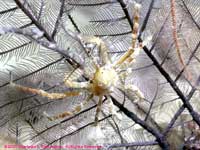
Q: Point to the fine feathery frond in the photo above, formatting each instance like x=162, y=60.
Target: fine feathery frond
x=40, y=45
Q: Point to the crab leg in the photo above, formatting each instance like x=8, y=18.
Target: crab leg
x=133, y=92
x=98, y=110
x=74, y=84
x=124, y=57
x=77, y=85
x=73, y=112
x=130, y=52
x=112, y=108
x=102, y=48
x=44, y=93
x=104, y=53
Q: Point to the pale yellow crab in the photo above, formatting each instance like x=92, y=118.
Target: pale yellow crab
x=107, y=76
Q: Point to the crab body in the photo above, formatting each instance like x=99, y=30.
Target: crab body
x=104, y=79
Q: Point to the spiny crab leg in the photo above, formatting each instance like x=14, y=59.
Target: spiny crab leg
x=73, y=112
x=44, y=93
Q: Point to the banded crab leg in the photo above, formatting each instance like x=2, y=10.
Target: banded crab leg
x=70, y=113
x=44, y=93
x=129, y=56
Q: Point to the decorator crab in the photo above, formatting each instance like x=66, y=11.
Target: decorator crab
x=107, y=75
